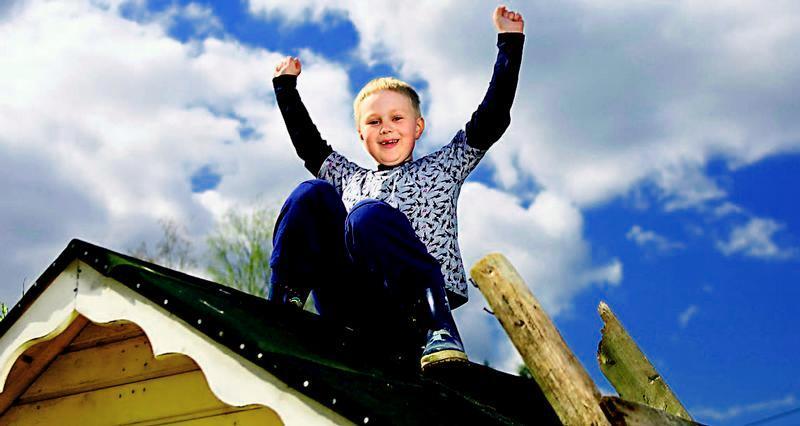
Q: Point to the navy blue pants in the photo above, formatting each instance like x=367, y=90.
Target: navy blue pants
x=366, y=268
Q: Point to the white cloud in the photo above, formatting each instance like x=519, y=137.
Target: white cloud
x=687, y=315
x=719, y=415
x=755, y=239
x=610, y=96
x=105, y=119
x=543, y=241
x=644, y=238
x=202, y=19
x=726, y=209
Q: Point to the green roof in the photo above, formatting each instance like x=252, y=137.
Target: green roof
x=318, y=357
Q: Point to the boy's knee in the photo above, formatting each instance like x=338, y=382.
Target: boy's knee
x=370, y=214
x=313, y=190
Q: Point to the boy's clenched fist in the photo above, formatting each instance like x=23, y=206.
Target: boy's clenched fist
x=289, y=65
x=507, y=21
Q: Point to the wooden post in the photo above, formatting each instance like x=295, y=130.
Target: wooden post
x=562, y=378
x=629, y=371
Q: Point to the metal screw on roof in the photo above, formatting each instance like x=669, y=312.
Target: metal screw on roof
x=199, y=321
x=85, y=253
x=305, y=384
x=166, y=301
x=260, y=355
x=96, y=260
x=221, y=333
x=241, y=346
x=334, y=401
x=138, y=285
x=366, y=420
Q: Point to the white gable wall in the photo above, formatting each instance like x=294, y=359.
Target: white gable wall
x=233, y=379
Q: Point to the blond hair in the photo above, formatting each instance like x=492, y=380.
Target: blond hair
x=386, y=83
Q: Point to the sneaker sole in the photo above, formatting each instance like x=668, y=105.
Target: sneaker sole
x=443, y=357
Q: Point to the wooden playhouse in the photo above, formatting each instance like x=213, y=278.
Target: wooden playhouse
x=106, y=339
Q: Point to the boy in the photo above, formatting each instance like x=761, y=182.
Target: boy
x=379, y=248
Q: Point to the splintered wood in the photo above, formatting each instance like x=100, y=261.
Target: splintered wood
x=628, y=413
x=566, y=384
x=629, y=371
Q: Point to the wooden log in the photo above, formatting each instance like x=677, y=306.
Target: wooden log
x=628, y=413
x=563, y=380
x=629, y=371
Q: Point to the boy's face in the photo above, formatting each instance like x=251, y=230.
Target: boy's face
x=389, y=127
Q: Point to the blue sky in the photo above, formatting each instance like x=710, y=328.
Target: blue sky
x=651, y=162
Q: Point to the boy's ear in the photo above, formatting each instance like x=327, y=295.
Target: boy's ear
x=360, y=136
x=420, y=127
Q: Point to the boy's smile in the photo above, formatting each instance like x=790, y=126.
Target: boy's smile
x=389, y=127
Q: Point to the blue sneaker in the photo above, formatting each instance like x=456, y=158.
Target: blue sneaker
x=283, y=294
x=442, y=347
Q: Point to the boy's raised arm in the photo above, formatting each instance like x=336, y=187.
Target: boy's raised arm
x=308, y=143
x=493, y=115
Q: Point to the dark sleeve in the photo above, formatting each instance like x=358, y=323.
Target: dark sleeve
x=493, y=115
x=308, y=143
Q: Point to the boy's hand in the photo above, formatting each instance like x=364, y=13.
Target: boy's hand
x=289, y=65
x=507, y=21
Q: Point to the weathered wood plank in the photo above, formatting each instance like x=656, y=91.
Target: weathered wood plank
x=629, y=371
x=164, y=398
x=33, y=361
x=102, y=334
x=108, y=365
x=562, y=378
x=628, y=413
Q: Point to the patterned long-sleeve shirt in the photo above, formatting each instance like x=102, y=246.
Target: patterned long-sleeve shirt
x=426, y=190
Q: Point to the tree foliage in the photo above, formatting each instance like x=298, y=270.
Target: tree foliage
x=524, y=371
x=173, y=251
x=240, y=249
x=3, y=310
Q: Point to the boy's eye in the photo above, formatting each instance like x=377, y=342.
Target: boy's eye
x=397, y=117
x=372, y=122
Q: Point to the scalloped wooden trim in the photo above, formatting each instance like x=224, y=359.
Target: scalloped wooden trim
x=233, y=379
